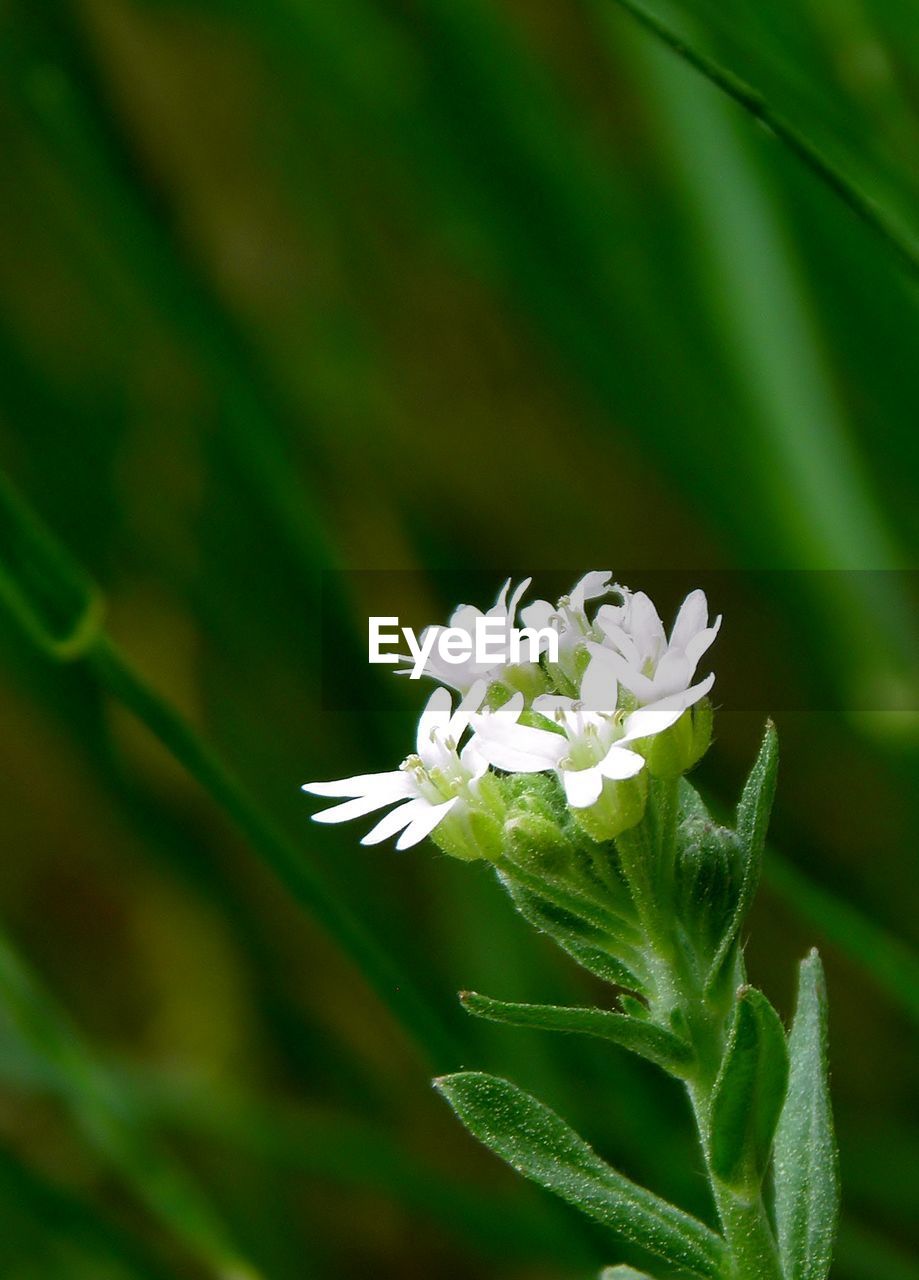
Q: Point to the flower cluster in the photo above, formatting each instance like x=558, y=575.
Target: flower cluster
x=620, y=702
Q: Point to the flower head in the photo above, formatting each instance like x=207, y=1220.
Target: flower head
x=569, y=617
x=462, y=676
x=584, y=749
x=636, y=653
x=436, y=780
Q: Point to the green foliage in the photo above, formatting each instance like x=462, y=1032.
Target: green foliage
x=748, y=1094
x=540, y=1145
x=603, y=946
x=682, y=872
x=624, y=1273
x=752, y=821
x=291, y=287
x=806, y=1182
x=644, y=1038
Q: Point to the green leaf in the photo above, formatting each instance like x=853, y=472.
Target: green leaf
x=644, y=1038
x=752, y=823
x=691, y=804
x=541, y=1146
x=599, y=950
x=806, y=1176
x=624, y=1273
x=748, y=1094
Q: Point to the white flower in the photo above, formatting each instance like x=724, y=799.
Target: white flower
x=589, y=747
x=636, y=652
x=569, y=616
x=430, y=784
x=463, y=675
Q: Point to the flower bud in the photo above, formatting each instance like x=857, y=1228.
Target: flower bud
x=677, y=749
x=535, y=834
x=475, y=831
x=708, y=880
x=621, y=805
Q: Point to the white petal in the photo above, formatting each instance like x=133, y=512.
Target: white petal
x=660, y=715
x=582, y=786
x=472, y=758
x=691, y=619
x=395, y=820
x=624, y=672
x=436, y=715
x=537, y=614
x=362, y=784
x=425, y=823
x=703, y=641
x=648, y=721
x=685, y=699
x=619, y=763
x=645, y=626
x=599, y=688
x=591, y=587
x=609, y=620
x=355, y=808
x=518, y=748
x=516, y=597
x=465, y=616
x=459, y=721
x=508, y=713
x=673, y=675
x=499, y=608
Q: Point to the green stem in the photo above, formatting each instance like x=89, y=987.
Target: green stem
x=745, y=1223
x=680, y=996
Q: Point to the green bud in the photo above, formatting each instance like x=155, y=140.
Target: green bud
x=621, y=805
x=535, y=835
x=673, y=752
x=708, y=880
x=473, y=831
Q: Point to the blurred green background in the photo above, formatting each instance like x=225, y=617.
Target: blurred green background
x=294, y=287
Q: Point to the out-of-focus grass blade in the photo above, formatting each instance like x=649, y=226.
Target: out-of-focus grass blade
x=110, y=1123
x=822, y=510
x=750, y=58
x=84, y=1245
x=348, y=1151
x=34, y=58
x=864, y=1254
x=891, y=963
x=40, y=579
x=334, y=1148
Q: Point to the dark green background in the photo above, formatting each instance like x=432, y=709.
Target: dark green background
x=292, y=288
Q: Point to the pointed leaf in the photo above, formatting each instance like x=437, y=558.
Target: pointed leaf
x=752, y=823
x=596, y=949
x=748, y=1094
x=541, y=1146
x=644, y=1038
x=691, y=803
x=806, y=1177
